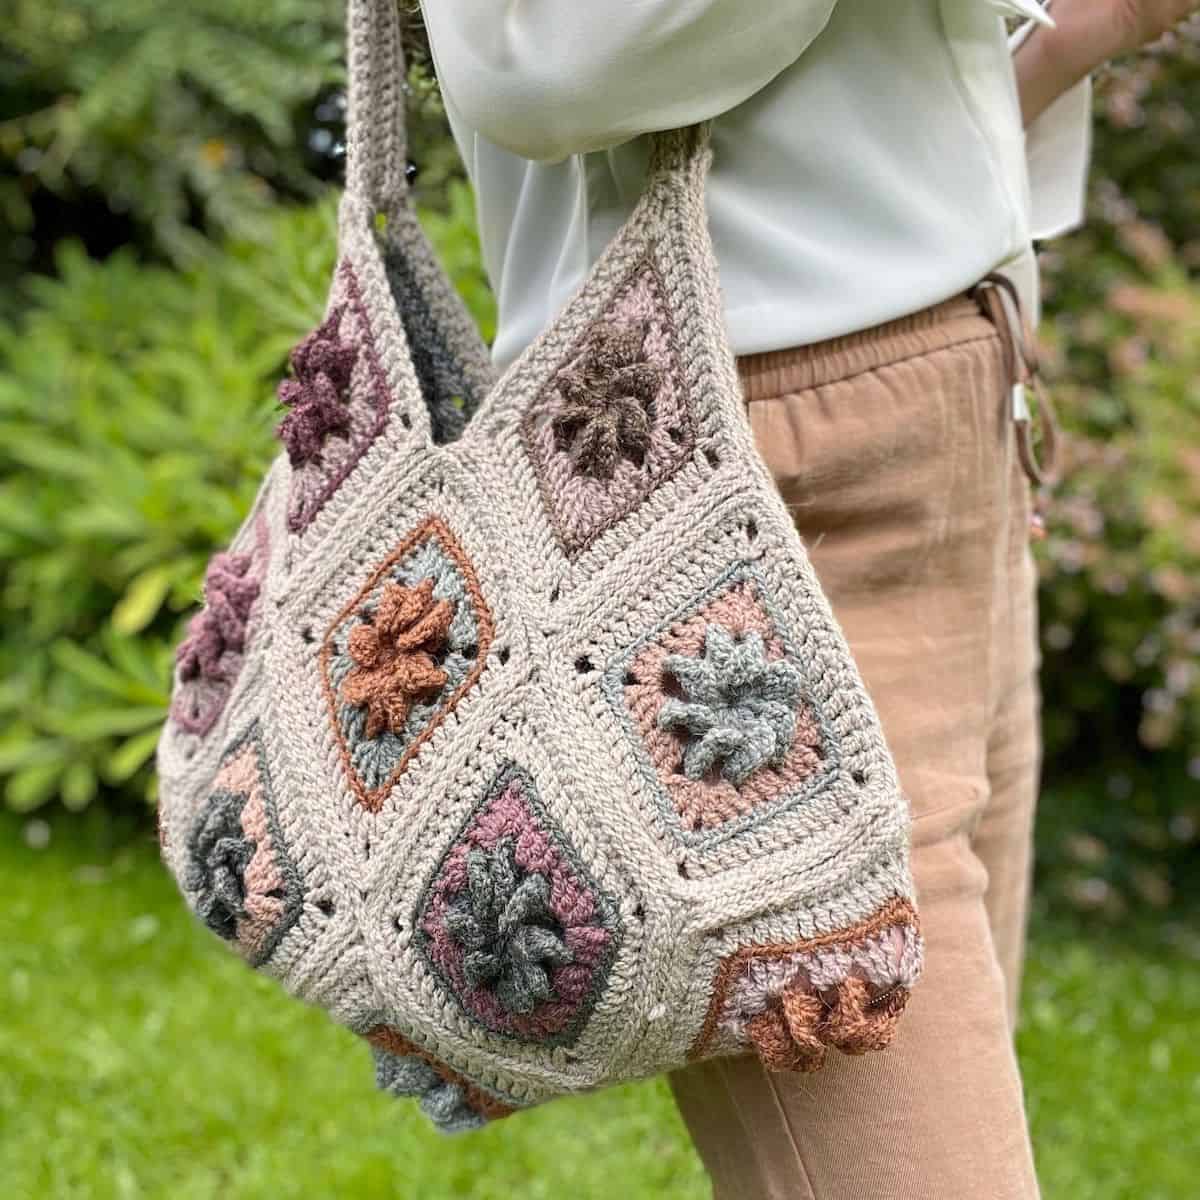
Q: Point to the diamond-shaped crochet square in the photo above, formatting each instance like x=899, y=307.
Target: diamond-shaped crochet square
x=716, y=702
x=613, y=422
x=242, y=882
x=402, y=654
x=512, y=922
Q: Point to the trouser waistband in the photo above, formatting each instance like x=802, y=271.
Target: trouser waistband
x=991, y=307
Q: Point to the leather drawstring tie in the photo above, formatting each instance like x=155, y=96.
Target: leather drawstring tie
x=999, y=298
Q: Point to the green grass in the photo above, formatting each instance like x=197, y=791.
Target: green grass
x=139, y=1059
x=1112, y=1067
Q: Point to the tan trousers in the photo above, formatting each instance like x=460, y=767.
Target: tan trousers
x=895, y=451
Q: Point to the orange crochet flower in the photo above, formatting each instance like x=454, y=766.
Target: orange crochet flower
x=394, y=655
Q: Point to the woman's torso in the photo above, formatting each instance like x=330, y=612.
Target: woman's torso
x=882, y=172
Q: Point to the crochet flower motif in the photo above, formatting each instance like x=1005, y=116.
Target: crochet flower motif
x=606, y=394
x=220, y=627
x=505, y=925
x=222, y=854
x=394, y=651
x=739, y=708
x=323, y=364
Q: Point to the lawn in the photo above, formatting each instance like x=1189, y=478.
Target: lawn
x=139, y=1059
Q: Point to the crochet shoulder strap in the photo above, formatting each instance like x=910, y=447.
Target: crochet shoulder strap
x=376, y=155
x=376, y=147
x=449, y=358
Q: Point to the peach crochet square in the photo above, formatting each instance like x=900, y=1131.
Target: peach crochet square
x=712, y=801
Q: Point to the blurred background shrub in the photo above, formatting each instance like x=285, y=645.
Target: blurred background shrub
x=167, y=122
x=1120, y=595
x=164, y=178
x=128, y=453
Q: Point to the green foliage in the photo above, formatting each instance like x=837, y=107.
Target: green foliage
x=1123, y=558
x=169, y=111
x=136, y=420
x=1120, y=595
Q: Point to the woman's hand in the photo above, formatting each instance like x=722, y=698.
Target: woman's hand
x=1087, y=33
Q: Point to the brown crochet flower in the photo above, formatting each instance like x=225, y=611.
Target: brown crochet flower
x=393, y=655
x=606, y=394
x=793, y=1034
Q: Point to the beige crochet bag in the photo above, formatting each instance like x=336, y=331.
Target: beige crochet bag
x=516, y=730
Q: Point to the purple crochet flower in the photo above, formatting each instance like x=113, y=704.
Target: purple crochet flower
x=323, y=364
x=220, y=627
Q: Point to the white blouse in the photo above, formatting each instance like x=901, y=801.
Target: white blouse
x=869, y=158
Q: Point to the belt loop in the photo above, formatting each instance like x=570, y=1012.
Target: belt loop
x=1000, y=299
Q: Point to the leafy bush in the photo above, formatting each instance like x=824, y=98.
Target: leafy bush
x=1122, y=563
x=136, y=419
x=184, y=117
x=1121, y=604
x=127, y=123
x=1120, y=590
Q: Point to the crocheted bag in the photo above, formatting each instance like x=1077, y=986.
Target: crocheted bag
x=516, y=730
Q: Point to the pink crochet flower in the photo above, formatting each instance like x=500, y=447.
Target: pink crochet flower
x=220, y=627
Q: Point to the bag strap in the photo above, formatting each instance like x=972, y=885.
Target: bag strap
x=679, y=160
x=376, y=148
x=376, y=154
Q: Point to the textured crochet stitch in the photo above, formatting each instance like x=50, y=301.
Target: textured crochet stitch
x=339, y=401
x=612, y=422
x=512, y=922
x=393, y=651
x=402, y=654
x=516, y=731
x=222, y=852
x=209, y=660
x=507, y=929
x=640, y=686
x=230, y=591
x=246, y=886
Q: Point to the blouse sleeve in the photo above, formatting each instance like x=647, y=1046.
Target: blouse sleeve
x=550, y=78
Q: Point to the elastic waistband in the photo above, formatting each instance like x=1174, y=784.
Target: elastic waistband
x=780, y=372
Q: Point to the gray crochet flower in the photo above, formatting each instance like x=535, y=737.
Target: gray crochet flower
x=442, y=1102
x=506, y=926
x=739, y=709
x=220, y=854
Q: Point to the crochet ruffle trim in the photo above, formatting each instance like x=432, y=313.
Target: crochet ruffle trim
x=792, y=1002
